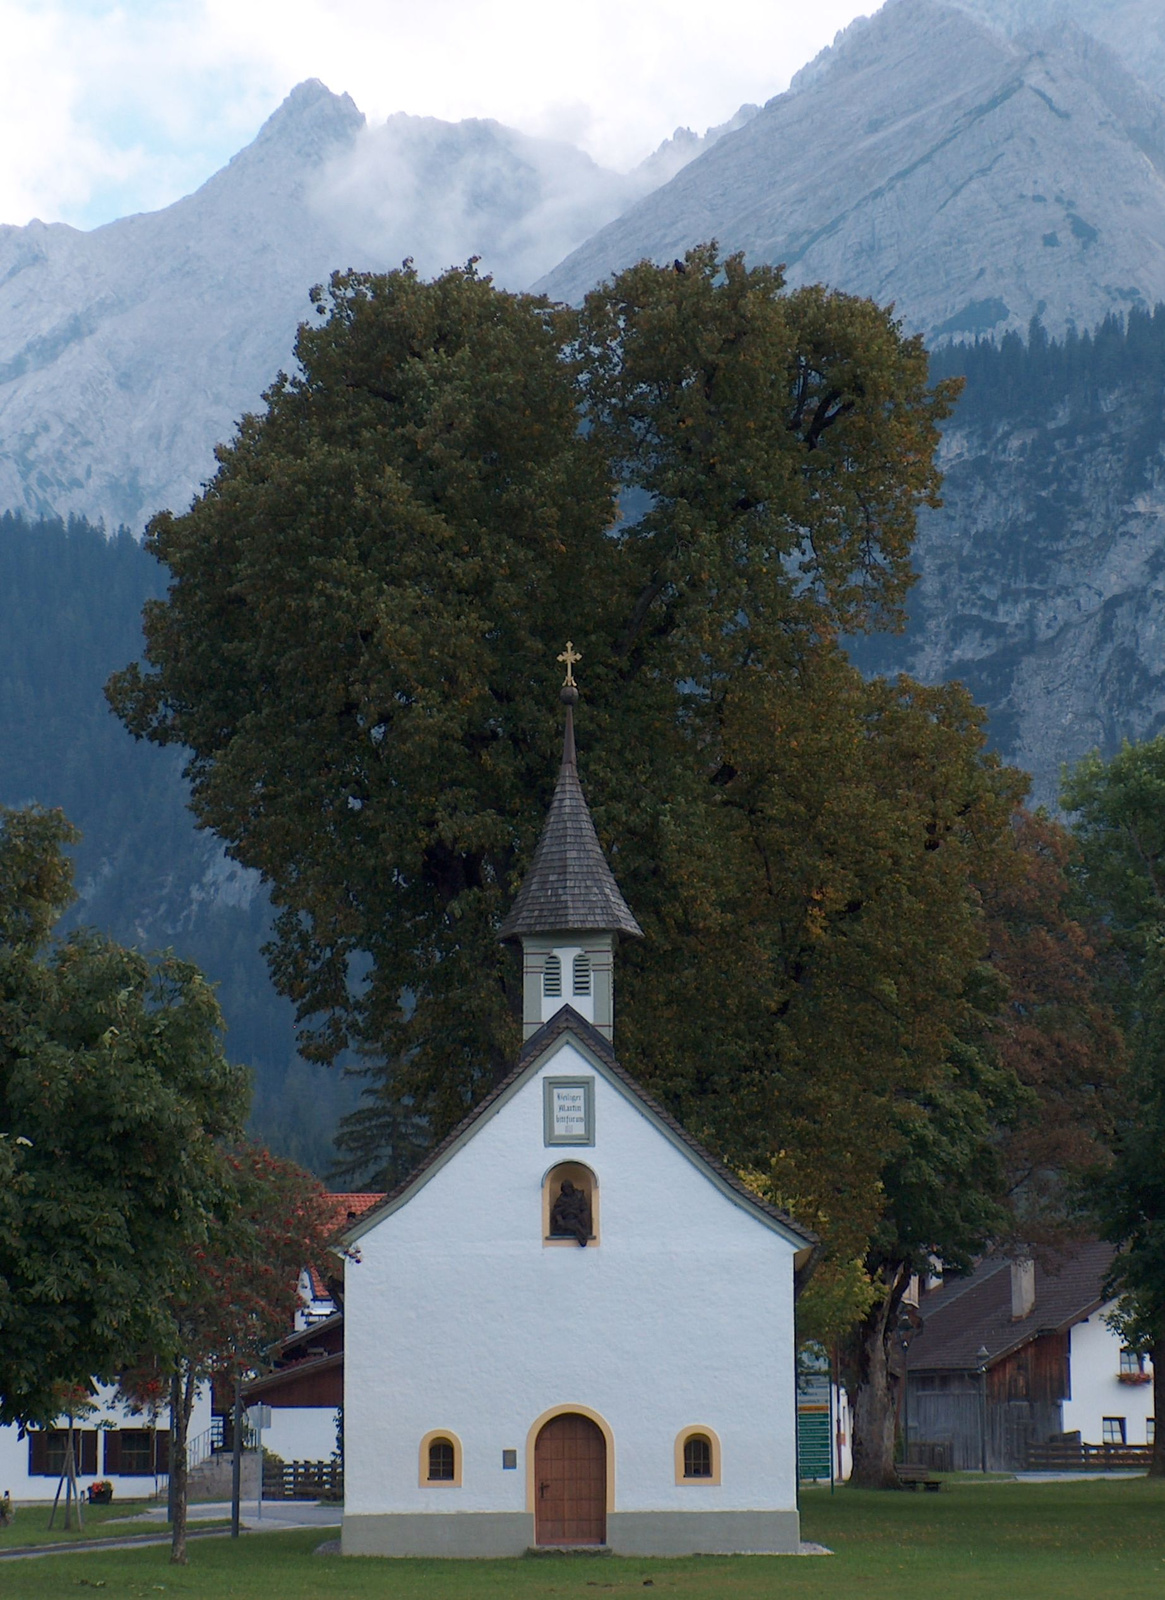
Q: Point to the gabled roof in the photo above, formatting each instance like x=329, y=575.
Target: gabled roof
x=974, y=1312
x=597, y=1049
x=569, y=885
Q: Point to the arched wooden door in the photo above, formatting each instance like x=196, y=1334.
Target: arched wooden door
x=570, y=1482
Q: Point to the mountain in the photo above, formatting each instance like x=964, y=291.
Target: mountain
x=128, y=352
x=1133, y=29
x=929, y=160
x=1042, y=577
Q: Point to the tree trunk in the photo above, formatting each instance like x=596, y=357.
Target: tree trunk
x=1157, y=1356
x=875, y=1411
x=182, y=1390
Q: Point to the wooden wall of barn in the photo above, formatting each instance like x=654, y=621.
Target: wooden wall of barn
x=1022, y=1406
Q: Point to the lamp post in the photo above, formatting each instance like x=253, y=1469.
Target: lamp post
x=907, y=1327
x=981, y=1357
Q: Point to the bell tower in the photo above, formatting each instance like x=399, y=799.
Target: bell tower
x=569, y=912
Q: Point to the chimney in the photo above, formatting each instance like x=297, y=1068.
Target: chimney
x=1023, y=1289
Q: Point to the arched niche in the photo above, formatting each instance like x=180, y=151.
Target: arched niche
x=582, y=1177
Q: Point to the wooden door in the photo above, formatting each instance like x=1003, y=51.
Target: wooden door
x=570, y=1482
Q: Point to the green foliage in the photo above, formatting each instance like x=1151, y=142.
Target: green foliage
x=1019, y=378
x=70, y=611
x=358, y=647
x=114, y=1097
x=1120, y=821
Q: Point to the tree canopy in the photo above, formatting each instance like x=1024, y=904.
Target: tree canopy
x=706, y=482
x=699, y=477
x=1119, y=808
x=114, y=1098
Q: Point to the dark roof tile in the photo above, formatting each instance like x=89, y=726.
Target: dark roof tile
x=569, y=885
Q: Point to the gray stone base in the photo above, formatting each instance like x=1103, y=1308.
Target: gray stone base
x=439, y=1533
x=629, y=1533
x=703, y=1533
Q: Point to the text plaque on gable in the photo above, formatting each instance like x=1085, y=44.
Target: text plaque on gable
x=568, y=1107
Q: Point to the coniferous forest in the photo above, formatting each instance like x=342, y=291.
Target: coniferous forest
x=70, y=614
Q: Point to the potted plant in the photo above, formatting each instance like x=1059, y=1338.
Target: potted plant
x=101, y=1492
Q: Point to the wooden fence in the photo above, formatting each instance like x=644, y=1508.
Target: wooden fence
x=1070, y=1455
x=303, y=1480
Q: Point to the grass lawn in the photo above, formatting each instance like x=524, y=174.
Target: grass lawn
x=990, y=1541
x=30, y=1523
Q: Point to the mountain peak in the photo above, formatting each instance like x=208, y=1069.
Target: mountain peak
x=309, y=123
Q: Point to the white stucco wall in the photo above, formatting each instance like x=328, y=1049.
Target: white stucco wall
x=1096, y=1393
x=14, y=1451
x=458, y=1317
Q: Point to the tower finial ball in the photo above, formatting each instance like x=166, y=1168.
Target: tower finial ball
x=568, y=694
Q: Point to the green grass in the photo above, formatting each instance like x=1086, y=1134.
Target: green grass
x=30, y=1526
x=982, y=1541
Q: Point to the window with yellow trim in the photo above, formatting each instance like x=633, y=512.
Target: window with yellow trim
x=697, y=1456
x=440, y=1459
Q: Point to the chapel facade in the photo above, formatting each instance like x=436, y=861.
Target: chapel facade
x=570, y=1326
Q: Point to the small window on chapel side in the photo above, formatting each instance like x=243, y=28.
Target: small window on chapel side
x=442, y=1461
x=697, y=1456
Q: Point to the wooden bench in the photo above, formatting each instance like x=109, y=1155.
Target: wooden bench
x=912, y=1477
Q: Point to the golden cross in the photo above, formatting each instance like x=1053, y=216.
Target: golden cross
x=570, y=655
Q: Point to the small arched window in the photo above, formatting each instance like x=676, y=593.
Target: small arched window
x=582, y=973
x=697, y=1456
x=441, y=1459
x=552, y=977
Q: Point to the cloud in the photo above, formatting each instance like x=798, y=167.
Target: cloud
x=108, y=106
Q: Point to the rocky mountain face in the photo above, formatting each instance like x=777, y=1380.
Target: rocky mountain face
x=1133, y=29
x=926, y=159
x=128, y=352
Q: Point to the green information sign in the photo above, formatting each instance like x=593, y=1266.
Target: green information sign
x=813, y=1442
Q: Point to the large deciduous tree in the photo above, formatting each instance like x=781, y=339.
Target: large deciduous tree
x=698, y=477
x=114, y=1099
x=1119, y=808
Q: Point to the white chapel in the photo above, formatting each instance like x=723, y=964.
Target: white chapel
x=570, y=1326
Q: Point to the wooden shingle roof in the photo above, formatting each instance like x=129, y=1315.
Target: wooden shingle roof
x=569, y=886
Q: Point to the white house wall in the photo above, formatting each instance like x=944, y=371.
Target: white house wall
x=1096, y=1393
x=24, y=1486
x=458, y=1317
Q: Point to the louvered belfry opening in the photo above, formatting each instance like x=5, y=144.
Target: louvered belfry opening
x=568, y=899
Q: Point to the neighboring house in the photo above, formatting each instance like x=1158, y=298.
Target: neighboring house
x=570, y=1326
x=112, y=1442
x=318, y=1300
x=1052, y=1365
x=303, y=1414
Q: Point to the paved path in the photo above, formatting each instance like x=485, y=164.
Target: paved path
x=278, y=1517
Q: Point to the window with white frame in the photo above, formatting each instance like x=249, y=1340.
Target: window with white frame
x=1150, y=1430
x=1132, y=1365
x=1113, y=1430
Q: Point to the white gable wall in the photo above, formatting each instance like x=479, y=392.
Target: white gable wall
x=1097, y=1392
x=458, y=1317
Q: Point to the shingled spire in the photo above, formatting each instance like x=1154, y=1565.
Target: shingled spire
x=569, y=908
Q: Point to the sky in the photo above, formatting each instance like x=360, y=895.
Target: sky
x=107, y=109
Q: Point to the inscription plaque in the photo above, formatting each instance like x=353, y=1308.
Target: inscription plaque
x=569, y=1110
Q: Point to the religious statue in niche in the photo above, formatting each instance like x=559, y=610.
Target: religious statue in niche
x=570, y=1215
